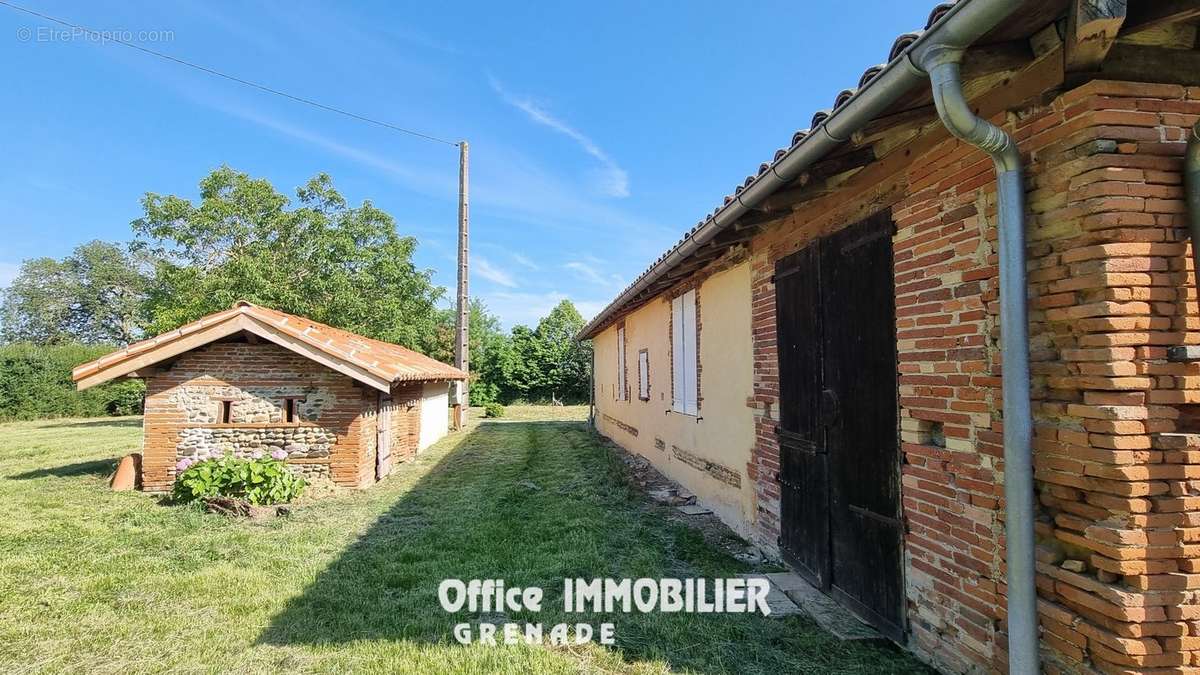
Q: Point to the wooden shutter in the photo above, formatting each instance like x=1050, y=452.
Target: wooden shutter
x=689, y=352
x=678, y=404
x=621, y=385
x=683, y=354
x=644, y=375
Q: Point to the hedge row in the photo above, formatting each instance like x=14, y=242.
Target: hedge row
x=35, y=382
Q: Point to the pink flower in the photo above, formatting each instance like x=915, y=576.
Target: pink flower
x=279, y=454
x=183, y=464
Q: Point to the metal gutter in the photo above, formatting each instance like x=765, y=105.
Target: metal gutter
x=942, y=63
x=1191, y=181
x=959, y=26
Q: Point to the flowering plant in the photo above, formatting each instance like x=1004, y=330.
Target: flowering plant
x=259, y=480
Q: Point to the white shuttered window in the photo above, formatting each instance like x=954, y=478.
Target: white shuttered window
x=683, y=354
x=644, y=375
x=622, y=390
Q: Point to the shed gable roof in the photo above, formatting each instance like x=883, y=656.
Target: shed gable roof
x=372, y=362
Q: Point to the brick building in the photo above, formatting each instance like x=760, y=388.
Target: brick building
x=822, y=359
x=251, y=379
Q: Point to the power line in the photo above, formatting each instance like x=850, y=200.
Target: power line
x=204, y=69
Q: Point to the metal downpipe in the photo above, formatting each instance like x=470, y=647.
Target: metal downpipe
x=942, y=64
x=1191, y=182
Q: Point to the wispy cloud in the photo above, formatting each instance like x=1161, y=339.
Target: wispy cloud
x=612, y=180
x=524, y=261
x=494, y=274
x=587, y=271
x=423, y=180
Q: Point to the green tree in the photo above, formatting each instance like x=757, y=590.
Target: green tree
x=93, y=296
x=488, y=350
x=320, y=258
x=547, y=363
x=564, y=362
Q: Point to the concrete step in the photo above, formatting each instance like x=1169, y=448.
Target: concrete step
x=828, y=614
x=779, y=603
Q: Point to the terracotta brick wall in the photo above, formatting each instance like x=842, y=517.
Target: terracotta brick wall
x=1118, y=484
x=1119, y=491
x=405, y=420
x=180, y=398
x=365, y=428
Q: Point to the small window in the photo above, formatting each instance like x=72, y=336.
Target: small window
x=291, y=410
x=226, y=412
x=622, y=387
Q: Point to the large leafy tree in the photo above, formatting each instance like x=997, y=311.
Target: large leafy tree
x=93, y=296
x=564, y=363
x=320, y=258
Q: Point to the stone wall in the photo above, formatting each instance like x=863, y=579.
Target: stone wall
x=299, y=442
x=250, y=404
x=183, y=404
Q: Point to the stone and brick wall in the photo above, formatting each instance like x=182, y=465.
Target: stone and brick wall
x=183, y=404
x=1118, y=483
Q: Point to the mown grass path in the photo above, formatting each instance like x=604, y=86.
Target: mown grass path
x=97, y=581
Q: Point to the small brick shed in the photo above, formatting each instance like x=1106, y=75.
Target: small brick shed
x=252, y=379
x=823, y=368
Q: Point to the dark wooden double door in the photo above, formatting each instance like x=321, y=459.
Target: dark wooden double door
x=838, y=432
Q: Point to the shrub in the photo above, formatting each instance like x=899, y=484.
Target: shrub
x=260, y=481
x=35, y=382
x=493, y=410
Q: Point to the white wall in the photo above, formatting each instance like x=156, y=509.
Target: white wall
x=435, y=413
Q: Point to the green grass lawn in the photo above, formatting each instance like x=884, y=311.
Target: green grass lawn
x=97, y=581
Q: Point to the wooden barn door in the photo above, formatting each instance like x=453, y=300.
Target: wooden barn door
x=803, y=456
x=839, y=437
x=383, y=434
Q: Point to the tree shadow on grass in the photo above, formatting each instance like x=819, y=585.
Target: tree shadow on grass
x=112, y=422
x=98, y=468
x=533, y=503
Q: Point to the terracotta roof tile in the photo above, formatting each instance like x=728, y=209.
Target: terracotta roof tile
x=384, y=360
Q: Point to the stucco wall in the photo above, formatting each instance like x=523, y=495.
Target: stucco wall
x=707, y=453
x=435, y=413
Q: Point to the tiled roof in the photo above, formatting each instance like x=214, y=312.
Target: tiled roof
x=384, y=360
x=899, y=45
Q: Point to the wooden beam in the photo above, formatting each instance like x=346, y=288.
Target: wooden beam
x=1092, y=27
x=1147, y=14
x=1137, y=63
x=996, y=58
x=159, y=353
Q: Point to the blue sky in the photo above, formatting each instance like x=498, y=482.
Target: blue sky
x=599, y=132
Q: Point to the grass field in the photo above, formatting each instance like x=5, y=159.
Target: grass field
x=97, y=581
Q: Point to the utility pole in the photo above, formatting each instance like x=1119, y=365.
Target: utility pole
x=461, y=356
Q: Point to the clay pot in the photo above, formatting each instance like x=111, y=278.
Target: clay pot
x=126, y=476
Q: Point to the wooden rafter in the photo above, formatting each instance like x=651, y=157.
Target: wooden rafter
x=1092, y=27
x=1147, y=14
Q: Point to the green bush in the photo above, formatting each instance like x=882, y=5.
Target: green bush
x=260, y=481
x=493, y=410
x=35, y=382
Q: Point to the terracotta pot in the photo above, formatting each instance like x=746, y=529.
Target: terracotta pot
x=127, y=472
